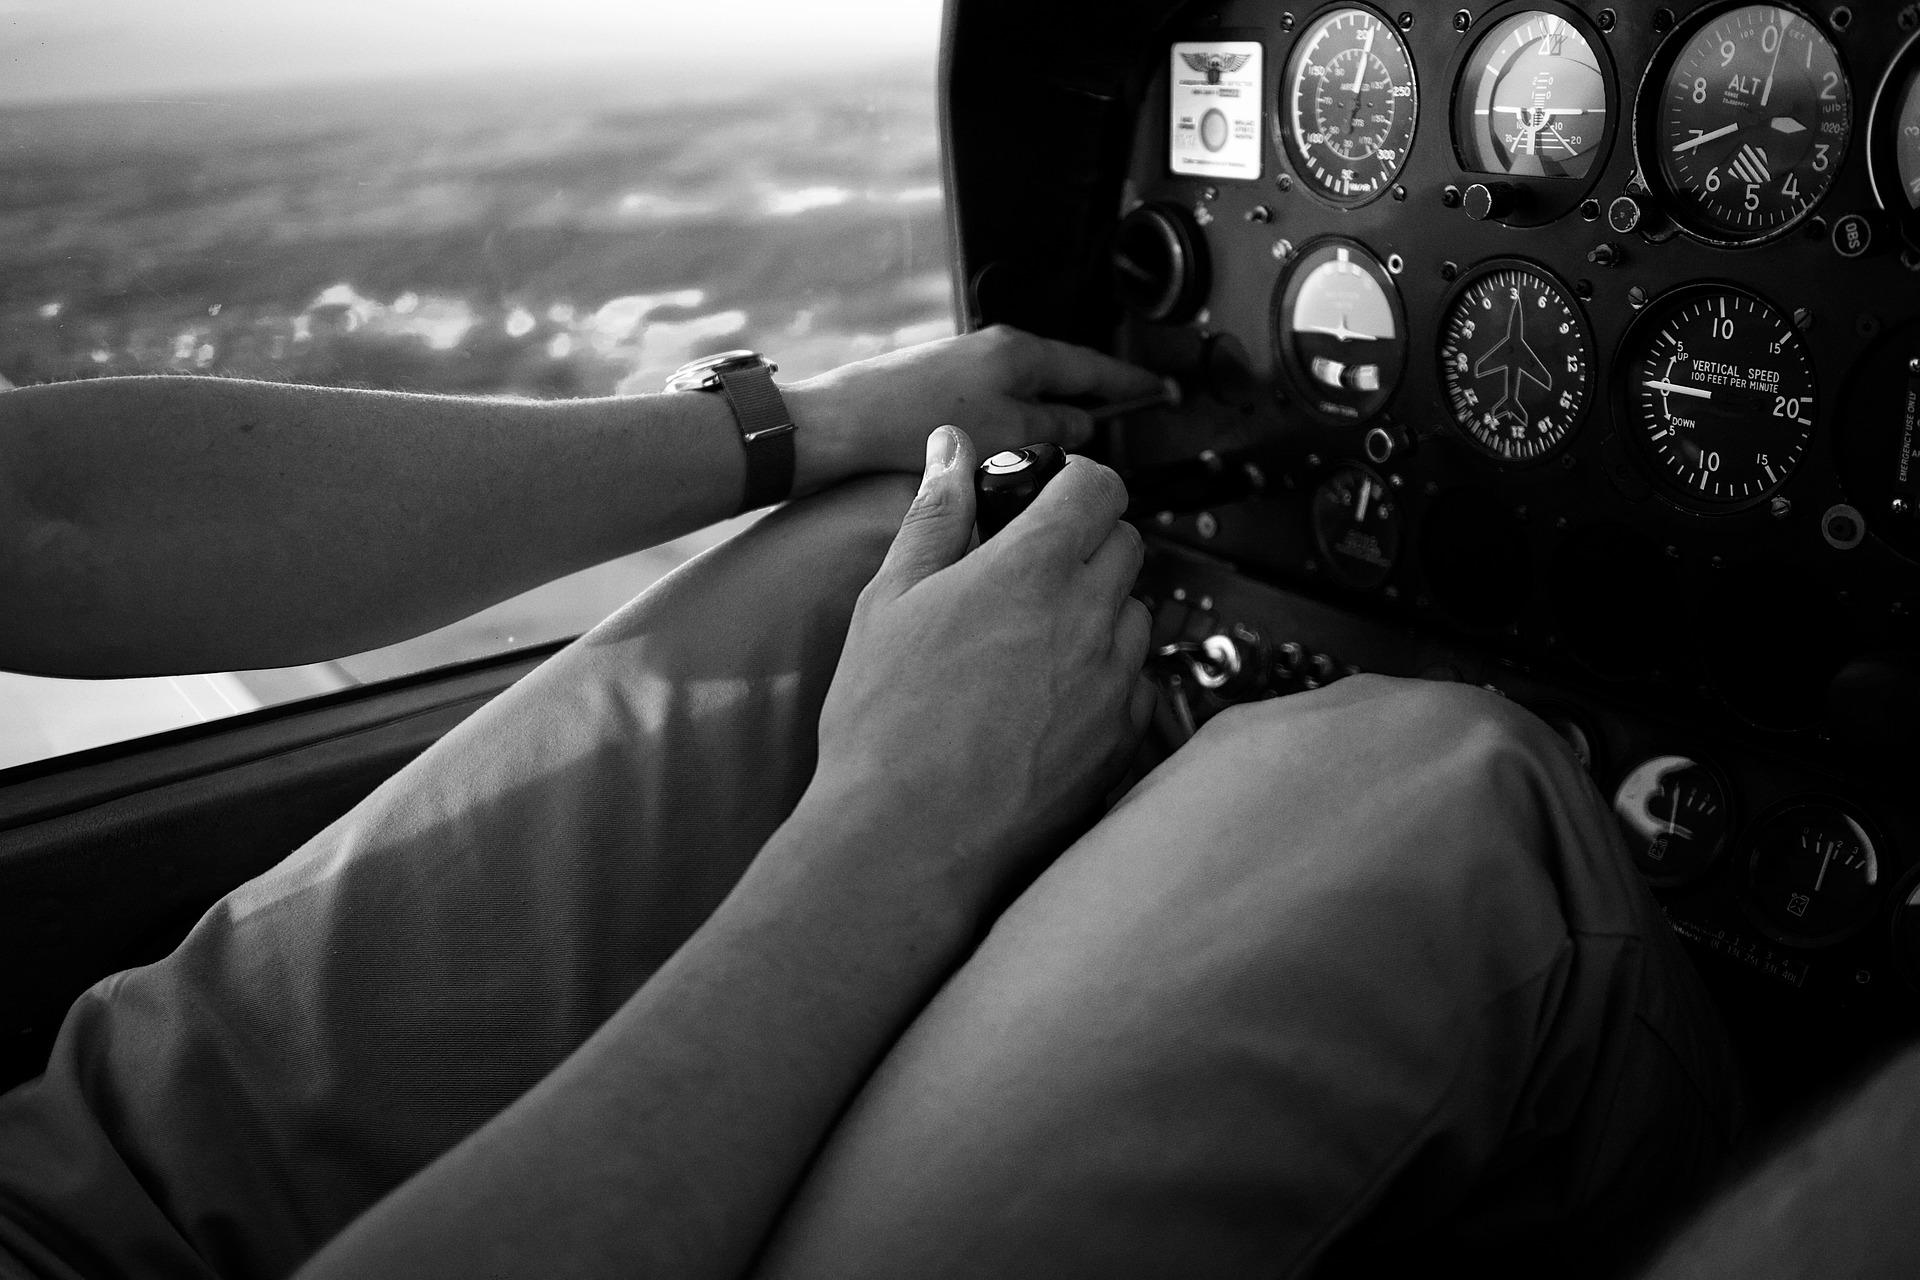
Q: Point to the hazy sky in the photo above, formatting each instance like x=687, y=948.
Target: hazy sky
x=52, y=49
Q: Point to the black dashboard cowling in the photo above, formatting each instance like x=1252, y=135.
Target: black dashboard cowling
x=1742, y=592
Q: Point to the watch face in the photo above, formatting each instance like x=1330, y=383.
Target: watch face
x=702, y=374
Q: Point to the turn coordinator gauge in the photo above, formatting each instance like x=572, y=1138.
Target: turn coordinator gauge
x=1339, y=331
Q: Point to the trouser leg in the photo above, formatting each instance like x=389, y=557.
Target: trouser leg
x=331, y=1027
x=1352, y=966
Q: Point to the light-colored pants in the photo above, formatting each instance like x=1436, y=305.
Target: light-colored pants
x=1352, y=969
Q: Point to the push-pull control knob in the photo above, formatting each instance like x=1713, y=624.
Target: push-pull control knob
x=1229, y=665
x=1007, y=482
x=1486, y=200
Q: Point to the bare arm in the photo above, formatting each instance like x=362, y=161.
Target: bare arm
x=165, y=525
x=670, y=1141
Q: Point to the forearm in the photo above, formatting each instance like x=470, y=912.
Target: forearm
x=670, y=1141
x=174, y=524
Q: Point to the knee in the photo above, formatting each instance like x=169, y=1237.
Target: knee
x=1422, y=786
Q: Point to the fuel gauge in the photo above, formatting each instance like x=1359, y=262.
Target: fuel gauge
x=1356, y=523
x=1813, y=875
x=1674, y=814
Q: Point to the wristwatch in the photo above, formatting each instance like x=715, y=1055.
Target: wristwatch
x=745, y=378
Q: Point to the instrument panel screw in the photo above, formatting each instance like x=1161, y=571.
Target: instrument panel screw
x=1663, y=20
x=1282, y=250
x=1902, y=506
x=1910, y=17
x=1841, y=18
x=1636, y=297
x=1286, y=22
x=1606, y=20
x=1283, y=183
x=1209, y=193
x=1399, y=192
x=1406, y=21
x=1802, y=319
x=1450, y=197
x=1673, y=552
x=1583, y=290
x=1206, y=524
x=1462, y=19
x=1449, y=271
x=1913, y=365
x=1867, y=325
x=1780, y=507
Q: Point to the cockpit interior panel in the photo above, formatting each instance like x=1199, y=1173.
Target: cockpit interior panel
x=1568, y=348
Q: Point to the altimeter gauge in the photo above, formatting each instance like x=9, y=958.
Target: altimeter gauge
x=1516, y=362
x=1745, y=130
x=1350, y=105
x=1532, y=101
x=1720, y=393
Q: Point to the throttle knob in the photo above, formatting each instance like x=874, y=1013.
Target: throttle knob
x=1007, y=482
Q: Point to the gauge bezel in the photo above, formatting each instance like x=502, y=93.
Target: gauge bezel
x=1591, y=349
x=1290, y=149
x=1627, y=414
x=1646, y=123
x=1185, y=291
x=1301, y=388
x=1735, y=829
x=1883, y=151
x=1548, y=199
x=1748, y=849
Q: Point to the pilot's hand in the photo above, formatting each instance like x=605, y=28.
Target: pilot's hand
x=985, y=703
x=1004, y=387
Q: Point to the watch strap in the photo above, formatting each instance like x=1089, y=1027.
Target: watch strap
x=766, y=433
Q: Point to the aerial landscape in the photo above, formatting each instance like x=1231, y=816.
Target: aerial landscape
x=543, y=235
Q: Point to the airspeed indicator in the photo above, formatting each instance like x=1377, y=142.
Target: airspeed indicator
x=1351, y=105
x=1721, y=395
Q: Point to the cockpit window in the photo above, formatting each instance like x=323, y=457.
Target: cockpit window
x=487, y=197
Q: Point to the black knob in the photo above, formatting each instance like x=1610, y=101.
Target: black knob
x=1489, y=200
x=1007, y=482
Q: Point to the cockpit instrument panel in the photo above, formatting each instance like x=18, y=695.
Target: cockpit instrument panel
x=1568, y=346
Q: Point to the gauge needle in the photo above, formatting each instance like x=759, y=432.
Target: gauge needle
x=1662, y=385
x=1822, y=877
x=1787, y=124
x=1766, y=92
x=1360, y=510
x=1366, y=51
x=1704, y=138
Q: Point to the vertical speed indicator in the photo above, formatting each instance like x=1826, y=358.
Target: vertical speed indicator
x=1721, y=395
x=1351, y=104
